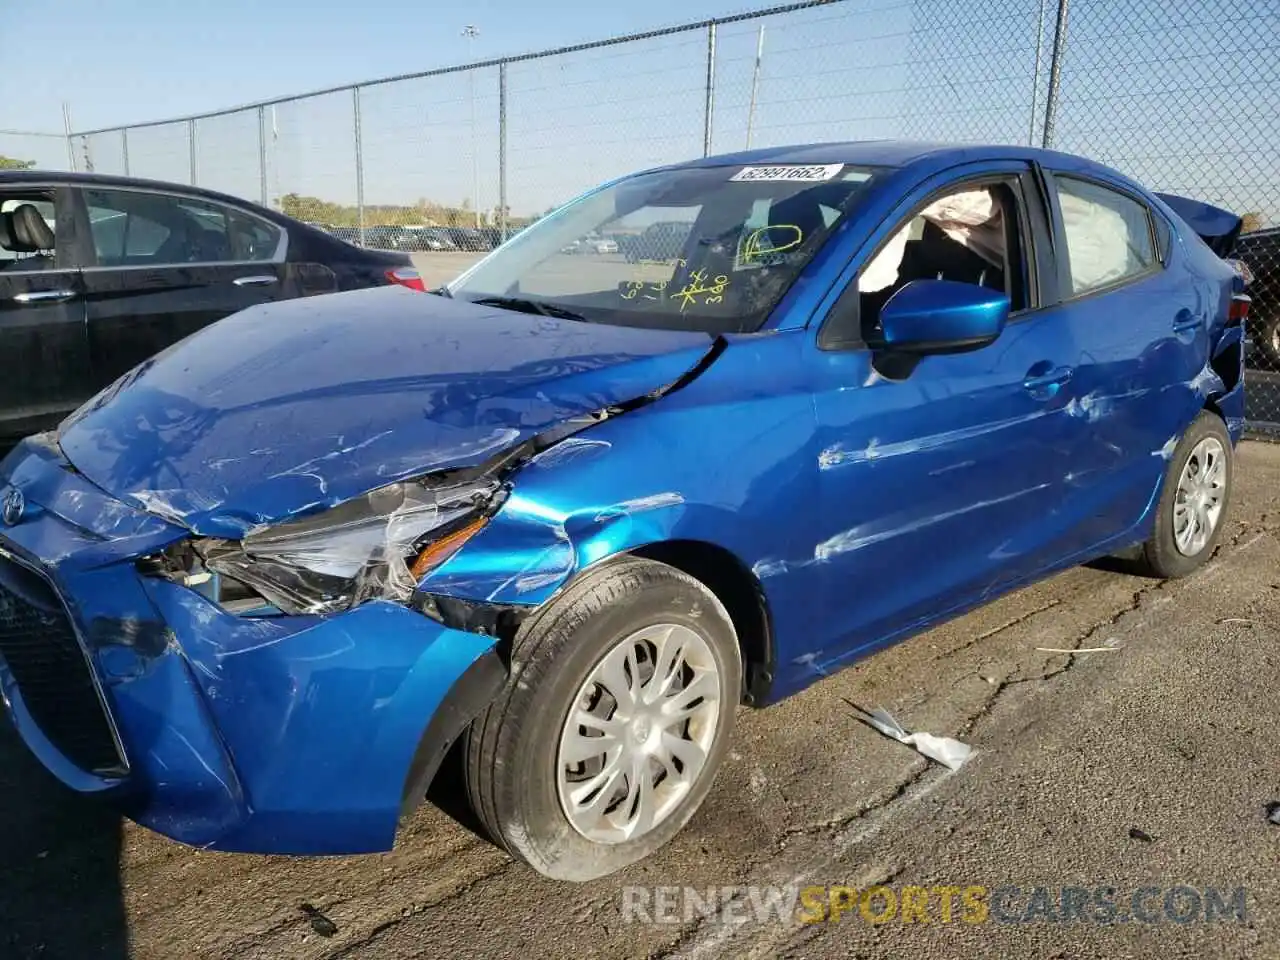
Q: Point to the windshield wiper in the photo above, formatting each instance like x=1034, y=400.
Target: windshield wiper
x=523, y=305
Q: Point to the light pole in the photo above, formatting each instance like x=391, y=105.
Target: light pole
x=471, y=32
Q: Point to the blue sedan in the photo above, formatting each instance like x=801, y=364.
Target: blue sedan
x=568, y=512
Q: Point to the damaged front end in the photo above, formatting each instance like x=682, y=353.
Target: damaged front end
x=377, y=546
x=276, y=694
x=291, y=689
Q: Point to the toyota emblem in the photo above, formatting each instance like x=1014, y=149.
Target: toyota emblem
x=14, y=504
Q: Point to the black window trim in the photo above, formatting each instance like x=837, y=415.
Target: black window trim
x=278, y=256
x=1016, y=181
x=1158, y=264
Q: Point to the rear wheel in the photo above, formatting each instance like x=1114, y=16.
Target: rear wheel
x=616, y=718
x=1193, y=504
x=1269, y=341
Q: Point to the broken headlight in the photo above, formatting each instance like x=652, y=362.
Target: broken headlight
x=378, y=545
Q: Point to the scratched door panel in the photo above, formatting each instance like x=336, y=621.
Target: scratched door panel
x=941, y=487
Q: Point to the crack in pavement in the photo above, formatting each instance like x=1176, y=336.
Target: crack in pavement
x=713, y=932
x=988, y=634
x=348, y=949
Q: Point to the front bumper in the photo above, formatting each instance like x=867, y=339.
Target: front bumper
x=286, y=734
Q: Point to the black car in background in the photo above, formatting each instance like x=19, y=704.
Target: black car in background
x=1260, y=250
x=476, y=239
x=424, y=239
x=99, y=273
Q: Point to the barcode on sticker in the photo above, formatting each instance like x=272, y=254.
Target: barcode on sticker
x=808, y=173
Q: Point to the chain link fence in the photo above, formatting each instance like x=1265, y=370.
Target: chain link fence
x=1183, y=95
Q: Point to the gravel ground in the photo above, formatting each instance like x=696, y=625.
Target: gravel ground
x=1149, y=764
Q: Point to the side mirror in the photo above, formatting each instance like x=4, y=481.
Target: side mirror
x=942, y=316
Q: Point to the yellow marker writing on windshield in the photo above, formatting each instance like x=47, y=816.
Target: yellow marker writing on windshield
x=698, y=286
x=770, y=240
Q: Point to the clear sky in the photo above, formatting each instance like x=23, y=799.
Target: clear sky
x=1184, y=94
x=129, y=60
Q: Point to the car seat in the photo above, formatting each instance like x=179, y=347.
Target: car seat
x=24, y=230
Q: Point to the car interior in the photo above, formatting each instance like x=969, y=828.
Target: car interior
x=139, y=228
x=27, y=240
x=971, y=236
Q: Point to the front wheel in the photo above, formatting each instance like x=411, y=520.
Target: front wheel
x=617, y=715
x=1193, y=503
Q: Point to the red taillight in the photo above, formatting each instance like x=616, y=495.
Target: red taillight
x=1240, y=307
x=407, y=277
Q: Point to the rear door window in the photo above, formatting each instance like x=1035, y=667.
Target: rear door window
x=1108, y=235
x=137, y=228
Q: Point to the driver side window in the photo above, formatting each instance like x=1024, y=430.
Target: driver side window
x=969, y=234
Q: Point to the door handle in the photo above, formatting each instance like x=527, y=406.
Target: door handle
x=1048, y=381
x=43, y=296
x=1185, y=321
x=258, y=280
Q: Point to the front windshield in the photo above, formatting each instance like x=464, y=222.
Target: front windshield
x=698, y=248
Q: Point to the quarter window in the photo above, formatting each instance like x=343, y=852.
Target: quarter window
x=135, y=228
x=1108, y=235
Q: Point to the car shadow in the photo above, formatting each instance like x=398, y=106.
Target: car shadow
x=60, y=894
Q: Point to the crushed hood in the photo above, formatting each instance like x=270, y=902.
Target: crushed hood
x=290, y=407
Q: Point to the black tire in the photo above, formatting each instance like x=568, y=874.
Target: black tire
x=1160, y=556
x=511, y=749
x=1268, y=342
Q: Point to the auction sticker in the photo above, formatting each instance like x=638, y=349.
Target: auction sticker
x=809, y=173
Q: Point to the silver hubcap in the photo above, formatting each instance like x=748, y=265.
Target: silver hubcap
x=1197, y=504
x=638, y=733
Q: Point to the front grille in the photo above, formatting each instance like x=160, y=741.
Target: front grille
x=39, y=644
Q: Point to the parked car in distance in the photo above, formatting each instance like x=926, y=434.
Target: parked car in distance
x=346, y=234
x=98, y=273
x=420, y=239
x=658, y=241
x=568, y=520
x=468, y=239
x=380, y=237
x=1260, y=250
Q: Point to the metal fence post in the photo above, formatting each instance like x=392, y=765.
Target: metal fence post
x=355, y=104
x=711, y=89
x=1035, y=78
x=66, y=125
x=755, y=85
x=502, y=150
x=262, y=156
x=124, y=148
x=1055, y=74
x=191, y=140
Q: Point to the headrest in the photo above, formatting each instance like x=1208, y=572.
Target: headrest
x=28, y=232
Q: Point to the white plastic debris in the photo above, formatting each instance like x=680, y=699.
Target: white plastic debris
x=1077, y=650
x=944, y=750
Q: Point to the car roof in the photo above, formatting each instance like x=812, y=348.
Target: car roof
x=40, y=177
x=899, y=153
